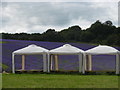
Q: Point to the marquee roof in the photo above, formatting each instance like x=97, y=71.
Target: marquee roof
x=31, y=49
x=102, y=49
x=66, y=49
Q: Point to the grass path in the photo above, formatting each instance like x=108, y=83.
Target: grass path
x=59, y=81
x=2, y=42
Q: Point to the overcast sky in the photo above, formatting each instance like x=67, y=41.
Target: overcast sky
x=37, y=17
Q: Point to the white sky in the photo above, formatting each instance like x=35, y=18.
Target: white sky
x=38, y=16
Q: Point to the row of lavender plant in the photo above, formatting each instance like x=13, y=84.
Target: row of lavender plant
x=66, y=62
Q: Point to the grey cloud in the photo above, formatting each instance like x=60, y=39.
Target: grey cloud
x=48, y=14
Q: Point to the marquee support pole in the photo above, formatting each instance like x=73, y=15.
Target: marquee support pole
x=51, y=62
x=44, y=63
x=13, y=63
x=117, y=63
x=56, y=62
x=23, y=62
x=89, y=62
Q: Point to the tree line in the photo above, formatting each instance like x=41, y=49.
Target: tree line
x=99, y=33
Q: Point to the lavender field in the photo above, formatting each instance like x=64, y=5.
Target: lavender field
x=66, y=62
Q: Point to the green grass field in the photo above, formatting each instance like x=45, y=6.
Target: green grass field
x=59, y=81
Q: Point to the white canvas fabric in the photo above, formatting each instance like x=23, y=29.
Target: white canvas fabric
x=31, y=49
x=66, y=49
x=102, y=49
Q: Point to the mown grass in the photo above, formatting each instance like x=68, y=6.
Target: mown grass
x=59, y=81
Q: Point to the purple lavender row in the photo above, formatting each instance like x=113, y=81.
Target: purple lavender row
x=66, y=62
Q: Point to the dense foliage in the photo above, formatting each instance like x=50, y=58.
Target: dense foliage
x=100, y=33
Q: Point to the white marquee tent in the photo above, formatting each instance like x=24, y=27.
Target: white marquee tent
x=103, y=49
x=30, y=50
x=66, y=49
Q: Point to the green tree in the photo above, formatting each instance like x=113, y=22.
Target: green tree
x=51, y=35
x=71, y=34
